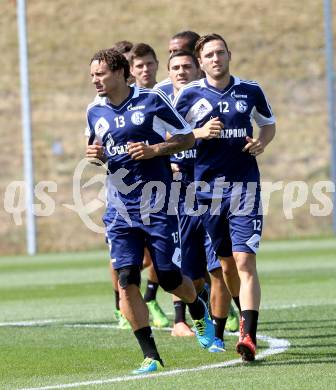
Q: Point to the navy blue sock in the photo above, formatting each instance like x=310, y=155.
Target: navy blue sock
x=219, y=324
x=250, y=322
x=196, y=309
x=147, y=343
x=204, y=295
x=180, y=311
x=151, y=291
x=117, y=299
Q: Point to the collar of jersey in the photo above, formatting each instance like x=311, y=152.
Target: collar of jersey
x=233, y=81
x=134, y=92
x=166, y=81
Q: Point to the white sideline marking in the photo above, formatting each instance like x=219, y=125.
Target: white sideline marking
x=29, y=323
x=276, y=346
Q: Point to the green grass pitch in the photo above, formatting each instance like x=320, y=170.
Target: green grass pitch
x=56, y=327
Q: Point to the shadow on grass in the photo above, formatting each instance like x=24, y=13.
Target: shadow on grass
x=320, y=320
x=313, y=337
x=293, y=362
x=300, y=324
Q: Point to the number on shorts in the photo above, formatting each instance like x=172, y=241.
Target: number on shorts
x=257, y=224
x=175, y=236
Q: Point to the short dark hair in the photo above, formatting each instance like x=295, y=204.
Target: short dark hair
x=113, y=59
x=123, y=46
x=190, y=36
x=182, y=53
x=141, y=50
x=208, y=38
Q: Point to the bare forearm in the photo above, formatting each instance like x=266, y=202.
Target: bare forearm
x=198, y=133
x=256, y=146
x=175, y=144
x=266, y=134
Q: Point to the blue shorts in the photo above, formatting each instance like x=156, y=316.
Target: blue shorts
x=212, y=259
x=127, y=242
x=236, y=224
x=196, y=249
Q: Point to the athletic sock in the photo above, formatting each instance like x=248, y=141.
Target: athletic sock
x=219, y=324
x=204, y=295
x=180, y=311
x=147, y=343
x=196, y=309
x=250, y=322
x=151, y=291
x=237, y=302
x=117, y=299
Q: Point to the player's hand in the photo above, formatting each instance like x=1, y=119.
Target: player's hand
x=254, y=146
x=174, y=167
x=95, y=151
x=212, y=129
x=140, y=151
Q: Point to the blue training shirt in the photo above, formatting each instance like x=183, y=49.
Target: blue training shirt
x=166, y=86
x=235, y=106
x=145, y=116
x=185, y=159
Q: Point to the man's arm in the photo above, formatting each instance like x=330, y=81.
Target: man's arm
x=256, y=146
x=94, y=152
x=94, y=148
x=265, y=119
x=177, y=143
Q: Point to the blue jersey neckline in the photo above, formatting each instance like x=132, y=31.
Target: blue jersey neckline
x=221, y=91
x=129, y=97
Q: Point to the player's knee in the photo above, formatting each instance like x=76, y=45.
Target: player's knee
x=215, y=274
x=228, y=265
x=199, y=284
x=129, y=275
x=217, y=280
x=169, y=280
x=246, y=268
